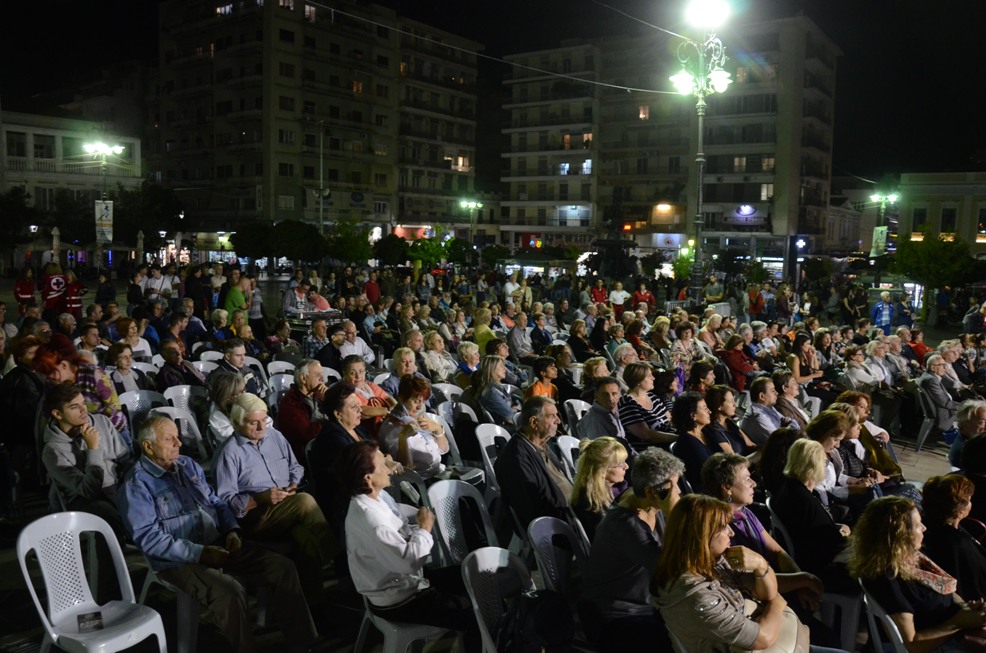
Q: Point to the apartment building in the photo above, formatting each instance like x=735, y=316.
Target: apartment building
x=550, y=148
x=949, y=204
x=280, y=109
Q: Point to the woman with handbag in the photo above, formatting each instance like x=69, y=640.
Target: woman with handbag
x=702, y=584
x=918, y=595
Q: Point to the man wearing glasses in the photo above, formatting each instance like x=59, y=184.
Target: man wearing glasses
x=930, y=384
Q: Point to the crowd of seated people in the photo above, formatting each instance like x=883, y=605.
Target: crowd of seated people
x=685, y=429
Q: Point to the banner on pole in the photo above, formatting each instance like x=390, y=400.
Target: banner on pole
x=104, y=222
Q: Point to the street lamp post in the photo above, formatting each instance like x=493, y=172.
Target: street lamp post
x=104, y=213
x=701, y=75
x=879, y=244
x=472, y=206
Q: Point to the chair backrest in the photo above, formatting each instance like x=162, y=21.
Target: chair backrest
x=742, y=403
x=188, y=428
x=210, y=356
x=575, y=409
x=566, y=445
x=180, y=396
x=559, y=341
x=138, y=404
x=279, y=382
x=780, y=531
x=453, y=447
x=555, y=562
x=157, y=360
x=147, y=368
x=446, y=391
x=55, y=541
x=466, y=409
x=445, y=497
x=256, y=366
x=330, y=373
x=875, y=613
x=412, y=478
x=446, y=410
x=197, y=346
x=514, y=391
x=205, y=366
x=389, y=365
x=928, y=407
x=279, y=367
x=380, y=378
x=486, y=435
x=486, y=572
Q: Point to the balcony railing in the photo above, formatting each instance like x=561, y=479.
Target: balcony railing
x=72, y=167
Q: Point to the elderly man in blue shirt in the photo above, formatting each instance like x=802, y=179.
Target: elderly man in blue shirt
x=257, y=475
x=762, y=418
x=191, y=540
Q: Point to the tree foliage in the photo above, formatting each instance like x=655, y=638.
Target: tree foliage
x=427, y=250
x=391, y=250
x=682, y=267
x=298, y=241
x=458, y=250
x=817, y=269
x=150, y=208
x=349, y=242
x=494, y=253
x=74, y=217
x=932, y=261
x=650, y=263
x=756, y=272
x=255, y=241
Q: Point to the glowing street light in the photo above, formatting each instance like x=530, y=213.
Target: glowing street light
x=104, y=211
x=881, y=232
x=473, y=207
x=702, y=74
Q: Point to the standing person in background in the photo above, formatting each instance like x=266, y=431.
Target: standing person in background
x=255, y=312
x=24, y=290
x=884, y=314
x=617, y=299
x=53, y=300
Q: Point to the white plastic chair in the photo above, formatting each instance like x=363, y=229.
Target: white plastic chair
x=555, y=562
x=453, y=448
x=566, y=443
x=930, y=411
x=55, y=541
x=875, y=613
x=205, y=367
x=466, y=409
x=481, y=572
x=279, y=382
x=149, y=369
x=486, y=435
x=446, y=391
x=397, y=637
x=157, y=360
x=187, y=608
x=188, y=428
x=256, y=366
x=330, y=373
x=138, y=404
x=210, y=356
x=388, y=365
x=180, y=396
x=444, y=497
x=575, y=409
x=380, y=378
x=279, y=367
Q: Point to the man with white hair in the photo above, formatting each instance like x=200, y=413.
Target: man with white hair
x=884, y=313
x=299, y=413
x=355, y=345
x=623, y=355
x=257, y=475
x=191, y=540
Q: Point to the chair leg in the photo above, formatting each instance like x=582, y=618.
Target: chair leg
x=149, y=580
x=363, y=629
x=926, y=427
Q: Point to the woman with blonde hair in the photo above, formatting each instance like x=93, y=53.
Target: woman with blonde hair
x=579, y=343
x=440, y=365
x=659, y=332
x=918, y=595
x=593, y=370
x=482, y=333
x=699, y=569
x=223, y=391
x=710, y=332
x=492, y=396
x=599, y=479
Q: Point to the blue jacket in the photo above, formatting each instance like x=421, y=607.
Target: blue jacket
x=878, y=309
x=172, y=516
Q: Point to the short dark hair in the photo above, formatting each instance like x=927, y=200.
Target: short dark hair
x=715, y=397
x=720, y=469
x=759, y=386
x=541, y=365
x=59, y=395
x=683, y=411
x=231, y=344
x=351, y=360
x=336, y=397
x=493, y=345
x=412, y=385
x=336, y=328
x=177, y=317
x=352, y=467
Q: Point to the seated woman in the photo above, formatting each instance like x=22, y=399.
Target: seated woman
x=698, y=569
x=468, y=363
x=701, y=377
x=804, y=363
x=599, y=335
x=413, y=440
x=441, y=367
x=659, y=335
x=491, y=396
x=666, y=387
x=545, y=371
x=819, y=543
x=642, y=413
x=579, y=343
x=740, y=365
x=593, y=370
x=119, y=365
x=224, y=388
x=685, y=348
x=723, y=431
x=599, y=479
x=920, y=598
x=709, y=334
x=947, y=501
x=788, y=398
x=773, y=458
x=565, y=362
x=131, y=334
x=514, y=374
x=726, y=476
x=387, y=553
x=844, y=494
x=281, y=340
x=616, y=338
x=880, y=453
x=375, y=403
x=690, y=416
x=634, y=333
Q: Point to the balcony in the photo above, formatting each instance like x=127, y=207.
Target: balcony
x=52, y=166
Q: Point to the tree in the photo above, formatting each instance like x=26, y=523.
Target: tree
x=349, y=242
x=74, y=217
x=682, y=267
x=390, y=250
x=298, y=241
x=151, y=208
x=458, y=250
x=16, y=216
x=756, y=272
x=494, y=253
x=652, y=262
x=427, y=250
x=817, y=269
x=932, y=262
x=254, y=242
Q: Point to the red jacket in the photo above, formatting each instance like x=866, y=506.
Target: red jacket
x=646, y=297
x=294, y=421
x=599, y=295
x=739, y=364
x=24, y=293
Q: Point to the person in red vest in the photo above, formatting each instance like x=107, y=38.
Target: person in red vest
x=53, y=292
x=74, y=290
x=24, y=289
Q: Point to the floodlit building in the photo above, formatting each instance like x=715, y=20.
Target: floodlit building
x=949, y=204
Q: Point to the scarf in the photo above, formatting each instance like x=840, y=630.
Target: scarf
x=926, y=572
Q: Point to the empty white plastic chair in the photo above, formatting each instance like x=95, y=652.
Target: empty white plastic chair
x=397, y=637
x=481, y=572
x=279, y=367
x=445, y=497
x=138, y=404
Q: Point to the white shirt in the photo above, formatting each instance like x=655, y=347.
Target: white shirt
x=156, y=286
x=617, y=297
x=358, y=348
x=386, y=552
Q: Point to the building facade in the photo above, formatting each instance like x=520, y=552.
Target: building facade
x=946, y=204
x=287, y=110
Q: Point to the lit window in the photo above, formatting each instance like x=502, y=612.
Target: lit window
x=644, y=112
x=766, y=192
x=310, y=13
x=742, y=74
x=767, y=163
x=566, y=141
x=285, y=201
x=739, y=164
x=286, y=4
x=224, y=10
x=357, y=87
x=587, y=167
x=563, y=168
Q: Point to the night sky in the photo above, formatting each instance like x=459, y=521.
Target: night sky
x=907, y=80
